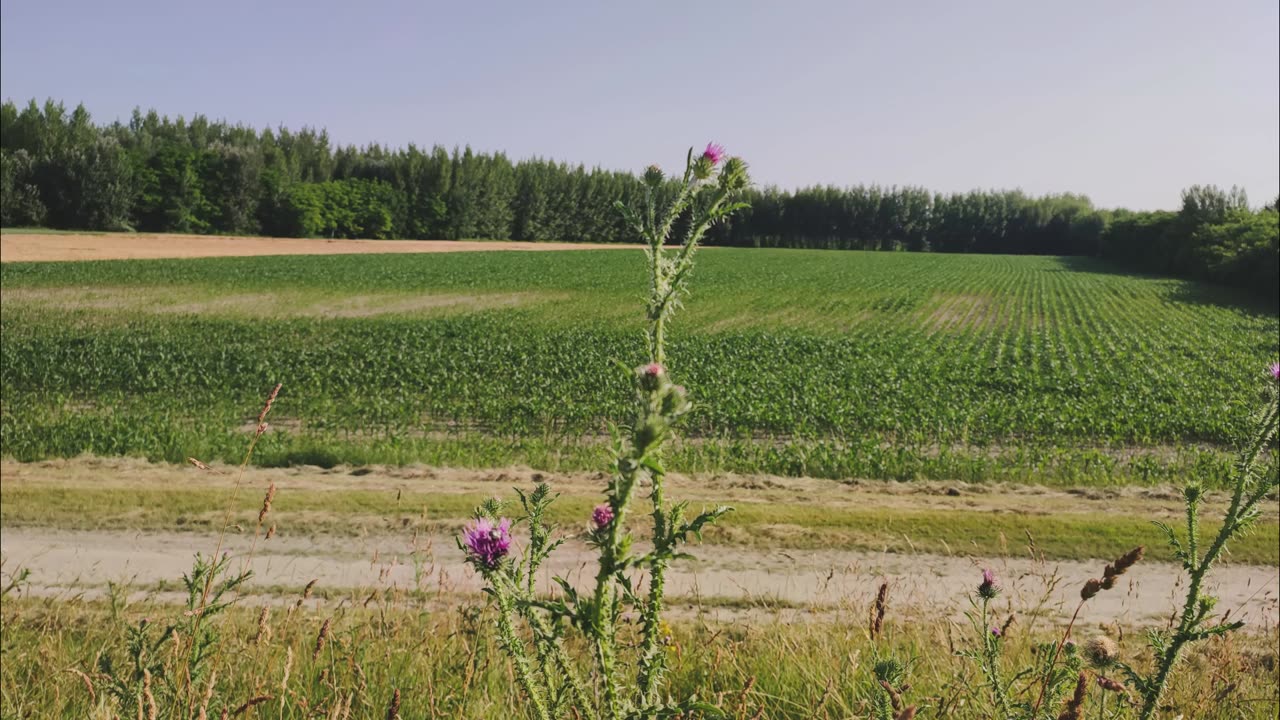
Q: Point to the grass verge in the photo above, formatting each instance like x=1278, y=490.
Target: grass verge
x=447, y=664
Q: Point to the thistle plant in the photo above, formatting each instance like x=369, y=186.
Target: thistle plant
x=145, y=680
x=1056, y=677
x=626, y=674
x=1256, y=478
x=1060, y=666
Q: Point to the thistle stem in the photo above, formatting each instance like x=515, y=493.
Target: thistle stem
x=1242, y=504
x=991, y=662
x=511, y=641
x=651, y=659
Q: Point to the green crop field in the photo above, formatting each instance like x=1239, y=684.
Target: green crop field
x=833, y=364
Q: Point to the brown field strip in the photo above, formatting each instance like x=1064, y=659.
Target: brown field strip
x=45, y=247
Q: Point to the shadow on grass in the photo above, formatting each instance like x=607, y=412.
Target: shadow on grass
x=1182, y=290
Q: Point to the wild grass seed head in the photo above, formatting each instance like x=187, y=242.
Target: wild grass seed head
x=1075, y=706
x=266, y=502
x=264, y=628
x=1112, y=571
x=393, y=707
x=322, y=638
x=878, y=610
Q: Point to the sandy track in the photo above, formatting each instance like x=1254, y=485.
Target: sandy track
x=729, y=580
x=40, y=247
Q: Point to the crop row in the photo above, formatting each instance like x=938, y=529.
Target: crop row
x=807, y=349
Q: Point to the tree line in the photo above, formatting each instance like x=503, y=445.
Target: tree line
x=160, y=174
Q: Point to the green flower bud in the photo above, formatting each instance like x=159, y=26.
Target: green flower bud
x=675, y=402
x=702, y=168
x=733, y=176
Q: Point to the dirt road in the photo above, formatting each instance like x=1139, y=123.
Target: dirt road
x=731, y=580
x=32, y=247
x=722, y=580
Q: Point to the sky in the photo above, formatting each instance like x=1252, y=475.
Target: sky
x=1126, y=102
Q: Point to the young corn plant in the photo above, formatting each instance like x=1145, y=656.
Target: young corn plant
x=626, y=676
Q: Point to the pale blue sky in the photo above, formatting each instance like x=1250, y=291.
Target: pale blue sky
x=1127, y=102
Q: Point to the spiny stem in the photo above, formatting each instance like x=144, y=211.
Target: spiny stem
x=511, y=641
x=1242, y=503
x=651, y=659
x=991, y=662
x=565, y=664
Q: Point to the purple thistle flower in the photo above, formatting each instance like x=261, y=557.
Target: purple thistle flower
x=653, y=370
x=602, y=516
x=714, y=153
x=1275, y=371
x=488, y=543
x=995, y=631
x=990, y=587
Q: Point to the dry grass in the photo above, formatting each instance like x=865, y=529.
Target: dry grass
x=446, y=664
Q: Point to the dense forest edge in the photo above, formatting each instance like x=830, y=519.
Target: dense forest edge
x=156, y=174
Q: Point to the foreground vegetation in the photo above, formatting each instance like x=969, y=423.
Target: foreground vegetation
x=836, y=365
x=447, y=664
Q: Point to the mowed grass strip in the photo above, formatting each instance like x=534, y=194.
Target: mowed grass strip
x=752, y=524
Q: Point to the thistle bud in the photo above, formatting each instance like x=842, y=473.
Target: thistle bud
x=653, y=176
x=990, y=587
x=675, y=402
x=602, y=517
x=702, y=168
x=733, y=176
x=651, y=376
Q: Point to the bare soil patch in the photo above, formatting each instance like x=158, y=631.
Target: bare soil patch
x=278, y=304
x=959, y=313
x=40, y=247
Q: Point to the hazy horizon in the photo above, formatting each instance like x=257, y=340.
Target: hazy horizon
x=1126, y=105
